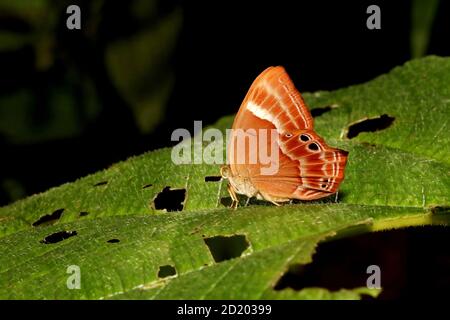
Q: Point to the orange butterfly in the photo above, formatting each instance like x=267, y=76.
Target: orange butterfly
x=307, y=168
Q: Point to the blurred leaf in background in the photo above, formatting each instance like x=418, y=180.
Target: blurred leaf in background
x=36, y=102
x=139, y=65
x=423, y=13
x=62, y=85
x=55, y=97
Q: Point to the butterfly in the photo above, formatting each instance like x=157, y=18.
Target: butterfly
x=307, y=168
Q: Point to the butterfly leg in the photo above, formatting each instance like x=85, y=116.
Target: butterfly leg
x=337, y=195
x=234, y=198
x=246, y=202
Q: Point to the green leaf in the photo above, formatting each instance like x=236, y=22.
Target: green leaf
x=396, y=177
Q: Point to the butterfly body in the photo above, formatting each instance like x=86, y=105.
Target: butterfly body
x=274, y=153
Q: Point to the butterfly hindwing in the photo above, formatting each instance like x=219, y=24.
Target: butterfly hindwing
x=321, y=167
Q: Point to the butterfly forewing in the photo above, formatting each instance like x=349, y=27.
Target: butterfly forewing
x=273, y=97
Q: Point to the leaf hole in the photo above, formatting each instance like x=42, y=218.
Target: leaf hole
x=147, y=186
x=227, y=247
x=170, y=199
x=440, y=210
x=213, y=178
x=83, y=213
x=316, y=112
x=166, y=271
x=49, y=218
x=412, y=261
x=113, y=241
x=101, y=183
x=369, y=125
x=58, y=236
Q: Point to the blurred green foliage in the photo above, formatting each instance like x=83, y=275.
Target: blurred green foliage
x=138, y=66
x=423, y=13
x=48, y=92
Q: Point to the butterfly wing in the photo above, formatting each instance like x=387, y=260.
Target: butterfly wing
x=264, y=99
x=307, y=167
x=308, y=162
x=273, y=97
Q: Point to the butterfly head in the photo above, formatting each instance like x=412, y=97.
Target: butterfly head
x=225, y=171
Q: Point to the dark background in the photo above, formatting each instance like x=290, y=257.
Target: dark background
x=206, y=60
